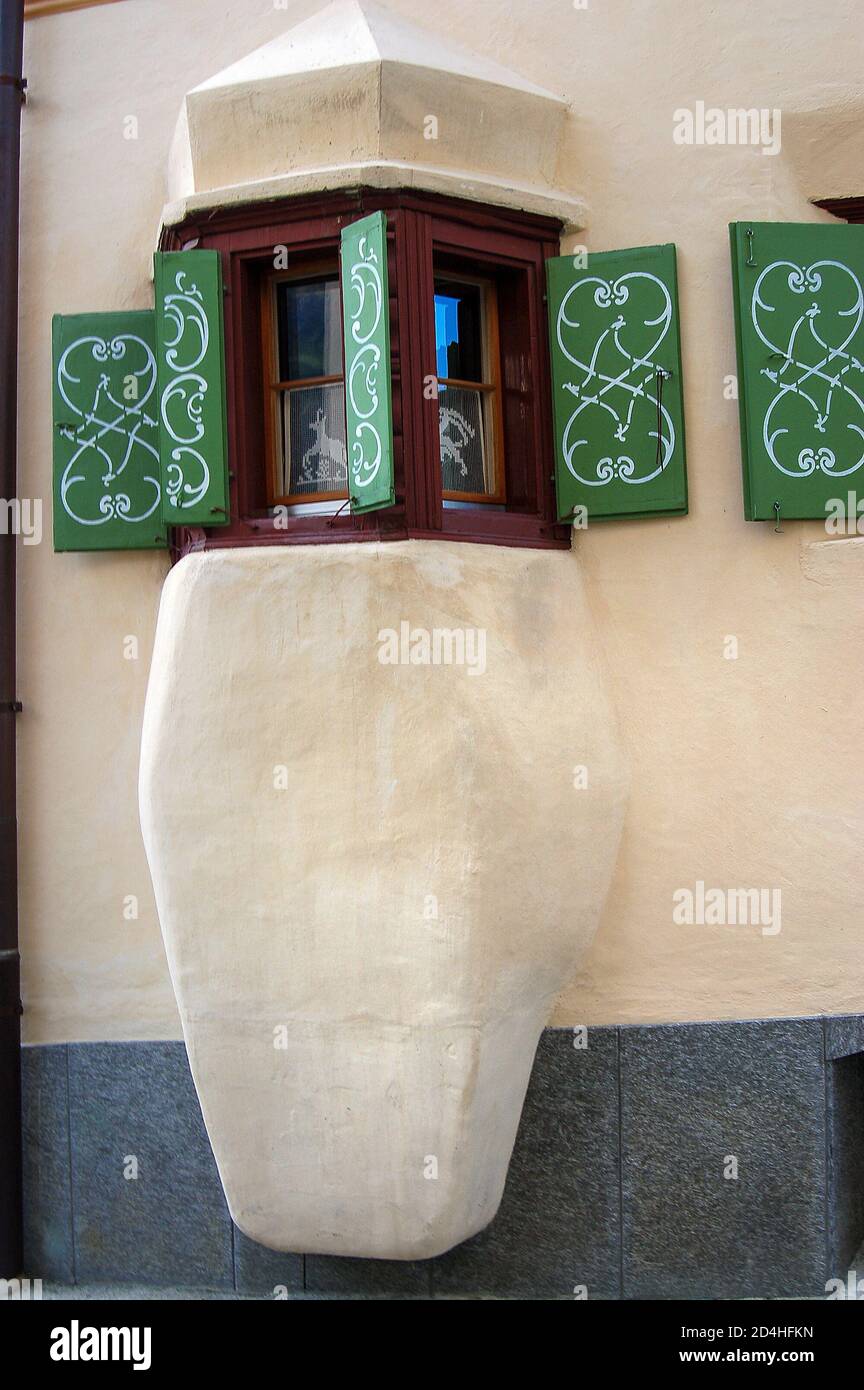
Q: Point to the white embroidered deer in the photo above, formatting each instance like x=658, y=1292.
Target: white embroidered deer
x=451, y=448
x=332, y=466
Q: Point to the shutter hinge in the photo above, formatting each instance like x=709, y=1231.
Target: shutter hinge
x=11, y=706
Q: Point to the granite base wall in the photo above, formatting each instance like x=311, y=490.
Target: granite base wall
x=705, y=1160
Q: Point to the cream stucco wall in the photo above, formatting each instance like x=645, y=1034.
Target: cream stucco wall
x=745, y=773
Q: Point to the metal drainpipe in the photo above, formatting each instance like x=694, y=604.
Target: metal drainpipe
x=11, y=97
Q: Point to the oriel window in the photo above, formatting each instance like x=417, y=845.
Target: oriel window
x=465, y=371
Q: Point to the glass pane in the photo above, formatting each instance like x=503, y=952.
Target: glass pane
x=466, y=464
x=458, y=331
x=309, y=328
x=312, y=456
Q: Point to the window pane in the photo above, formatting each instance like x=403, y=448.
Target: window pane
x=458, y=331
x=312, y=455
x=466, y=465
x=309, y=327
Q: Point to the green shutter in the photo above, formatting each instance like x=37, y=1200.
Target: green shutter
x=368, y=404
x=106, y=436
x=616, y=383
x=800, y=341
x=191, y=358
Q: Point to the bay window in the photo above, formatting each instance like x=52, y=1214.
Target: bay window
x=472, y=451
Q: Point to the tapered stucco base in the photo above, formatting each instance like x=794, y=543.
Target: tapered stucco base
x=373, y=879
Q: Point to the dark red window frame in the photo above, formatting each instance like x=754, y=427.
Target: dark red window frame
x=510, y=246
x=849, y=209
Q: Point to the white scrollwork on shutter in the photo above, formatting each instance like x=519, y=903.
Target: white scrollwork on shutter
x=620, y=374
x=620, y=387
x=817, y=374
x=187, y=476
x=116, y=437
x=362, y=377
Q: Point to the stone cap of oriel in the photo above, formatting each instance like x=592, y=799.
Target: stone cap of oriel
x=358, y=95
